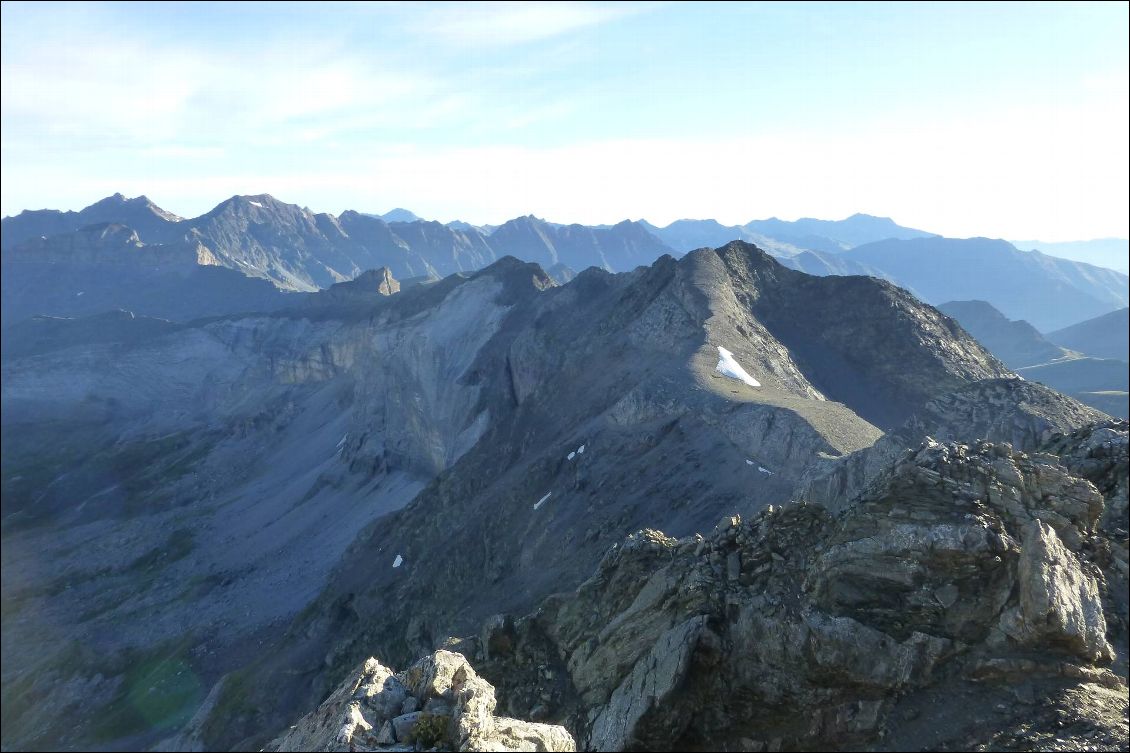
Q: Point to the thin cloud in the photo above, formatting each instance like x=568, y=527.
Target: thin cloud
x=494, y=24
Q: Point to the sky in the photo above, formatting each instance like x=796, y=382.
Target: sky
x=1003, y=120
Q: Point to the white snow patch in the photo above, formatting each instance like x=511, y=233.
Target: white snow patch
x=342, y=440
x=542, y=500
x=255, y=204
x=571, y=455
x=765, y=470
x=79, y=293
x=748, y=461
x=581, y=450
x=398, y=561
x=727, y=366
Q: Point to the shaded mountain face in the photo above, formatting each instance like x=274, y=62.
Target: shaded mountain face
x=619, y=248
x=1019, y=284
x=305, y=488
x=297, y=249
x=106, y=267
x=1105, y=336
x=44, y=334
x=153, y=223
x=1017, y=343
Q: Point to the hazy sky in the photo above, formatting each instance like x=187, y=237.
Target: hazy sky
x=1002, y=120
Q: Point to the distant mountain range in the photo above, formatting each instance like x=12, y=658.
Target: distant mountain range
x=300, y=250
x=1112, y=253
x=1046, y=291
x=1087, y=361
x=1017, y=343
x=1104, y=336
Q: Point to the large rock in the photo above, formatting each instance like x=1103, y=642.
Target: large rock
x=363, y=714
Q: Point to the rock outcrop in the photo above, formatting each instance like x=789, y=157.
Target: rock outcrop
x=439, y=703
x=984, y=576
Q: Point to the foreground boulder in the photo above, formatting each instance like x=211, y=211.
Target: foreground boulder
x=439, y=703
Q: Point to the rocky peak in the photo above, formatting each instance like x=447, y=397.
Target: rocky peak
x=519, y=278
x=439, y=703
x=380, y=281
x=400, y=215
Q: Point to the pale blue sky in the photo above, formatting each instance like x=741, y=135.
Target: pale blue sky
x=1008, y=120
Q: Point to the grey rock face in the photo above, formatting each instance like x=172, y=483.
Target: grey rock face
x=356, y=716
x=969, y=573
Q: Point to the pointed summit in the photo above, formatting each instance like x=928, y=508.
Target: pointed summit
x=400, y=215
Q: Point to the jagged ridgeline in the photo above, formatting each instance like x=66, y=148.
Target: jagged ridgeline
x=67, y=263
x=218, y=521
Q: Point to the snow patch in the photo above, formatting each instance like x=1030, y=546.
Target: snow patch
x=581, y=450
x=541, y=501
x=748, y=461
x=571, y=455
x=79, y=293
x=398, y=561
x=728, y=367
x=255, y=204
x=765, y=470
x=342, y=440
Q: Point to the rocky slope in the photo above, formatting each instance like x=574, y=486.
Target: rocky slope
x=613, y=422
x=272, y=498
x=974, y=597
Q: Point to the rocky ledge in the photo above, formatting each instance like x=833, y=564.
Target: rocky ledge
x=974, y=597
x=439, y=703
